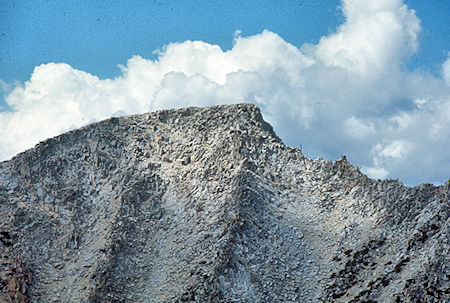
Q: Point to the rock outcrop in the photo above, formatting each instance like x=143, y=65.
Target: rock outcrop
x=208, y=205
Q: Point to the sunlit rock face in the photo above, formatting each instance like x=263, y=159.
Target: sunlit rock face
x=208, y=205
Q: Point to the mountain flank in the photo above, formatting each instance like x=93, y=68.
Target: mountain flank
x=209, y=205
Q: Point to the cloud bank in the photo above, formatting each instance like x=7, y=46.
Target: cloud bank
x=348, y=94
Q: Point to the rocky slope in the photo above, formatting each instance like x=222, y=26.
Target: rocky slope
x=208, y=205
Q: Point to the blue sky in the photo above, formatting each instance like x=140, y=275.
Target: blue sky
x=96, y=36
x=369, y=79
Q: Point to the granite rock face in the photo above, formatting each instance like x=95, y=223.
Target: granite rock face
x=208, y=205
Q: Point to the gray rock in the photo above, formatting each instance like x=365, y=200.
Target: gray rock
x=208, y=205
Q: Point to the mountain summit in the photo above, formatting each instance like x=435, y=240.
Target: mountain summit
x=208, y=205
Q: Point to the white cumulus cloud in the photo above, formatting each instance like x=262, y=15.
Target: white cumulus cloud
x=350, y=93
x=446, y=71
x=375, y=38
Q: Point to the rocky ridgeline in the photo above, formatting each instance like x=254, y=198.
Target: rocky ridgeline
x=208, y=205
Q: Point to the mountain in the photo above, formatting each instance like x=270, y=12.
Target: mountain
x=208, y=205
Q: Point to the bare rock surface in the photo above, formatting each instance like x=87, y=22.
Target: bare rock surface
x=208, y=205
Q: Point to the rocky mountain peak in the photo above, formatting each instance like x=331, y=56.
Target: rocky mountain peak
x=208, y=205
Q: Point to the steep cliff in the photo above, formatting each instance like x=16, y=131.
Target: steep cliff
x=208, y=205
